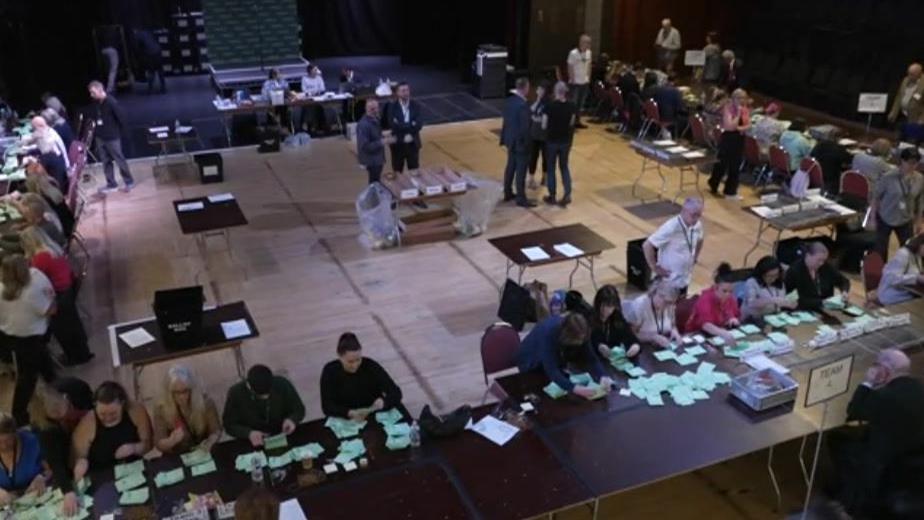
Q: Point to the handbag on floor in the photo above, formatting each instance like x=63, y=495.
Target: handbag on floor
x=442, y=426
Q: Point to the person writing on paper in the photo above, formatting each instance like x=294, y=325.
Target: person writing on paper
x=262, y=405
x=55, y=413
x=672, y=251
x=889, y=404
x=354, y=386
x=609, y=327
x=118, y=430
x=559, y=343
x=814, y=279
x=897, y=203
x=22, y=465
x=185, y=418
x=903, y=270
x=764, y=293
x=652, y=315
x=716, y=310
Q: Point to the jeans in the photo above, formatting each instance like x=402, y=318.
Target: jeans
x=537, y=148
x=579, y=95
x=109, y=151
x=731, y=149
x=516, y=171
x=559, y=152
x=374, y=171
x=884, y=234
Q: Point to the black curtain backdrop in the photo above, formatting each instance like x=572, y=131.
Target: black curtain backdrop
x=350, y=27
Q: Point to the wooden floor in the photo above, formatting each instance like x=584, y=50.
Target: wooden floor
x=307, y=277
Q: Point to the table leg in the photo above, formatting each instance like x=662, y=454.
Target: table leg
x=663, y=182
x=239, y=361
x=760, y=231
x=521, y=269
x=136, y=380
x=776, y=243
x=805, y=473
x=500, y=290
x=577, y=264
x=776, y=485
x=596, y=508
x=639, y=178
x=227, y=124
x=590, y=267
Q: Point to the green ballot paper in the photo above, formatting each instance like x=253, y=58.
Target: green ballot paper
x=134, y=497
x=388, y=416
x=664, y=355
x=130, y=482
x=554, y=391
x=749, y=329
x=124, y=470
x=276, y=442
x=204, y=468
x=195, y=457
x=398, y=429
x=169, y=478
x=280, y=461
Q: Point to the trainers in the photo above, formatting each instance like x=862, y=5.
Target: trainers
x=128, y=187
x=107, y=189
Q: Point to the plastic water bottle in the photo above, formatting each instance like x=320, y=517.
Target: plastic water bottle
x=415, y=435
x=256, y=472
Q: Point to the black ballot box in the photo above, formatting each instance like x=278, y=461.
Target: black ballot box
x=211, y=167
x=179, y=316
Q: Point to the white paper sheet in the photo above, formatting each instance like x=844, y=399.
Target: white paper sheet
x=190, y=206
x=678, y=149
x=664, y=142
x=847, y=142
x=568, y=250
x=534, y=253
x=235, y=329
x=694, y=155
x=493, y=429
x=221, y=197
x=761, y=362
x=136, y=337
x=291, y=510
x=162, y=135
x=183, y=129
x=159, y=129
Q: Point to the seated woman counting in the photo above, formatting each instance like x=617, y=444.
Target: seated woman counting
x=118, y=430
x=903, y=269
x=559, y=343
x=185, y=418
x=22, y=467
x=653, y=314
x=716, y=310
x=764, y=292
x=354, y=386
x=609, y=327
x=814, y=280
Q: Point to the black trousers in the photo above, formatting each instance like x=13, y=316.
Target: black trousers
x=884, y=233
x=68, y=328
x=374, y=171
x=731, y=150
x=856, y=474
x=537, y=148
x=32, y=360
x=515, y=174
x=405, y=154
x=313, y=118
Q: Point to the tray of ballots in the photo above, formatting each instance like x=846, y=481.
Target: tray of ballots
x=790, y=212
x=424, y=183
x=669, y=151
x=826, y=335
x=764, y=389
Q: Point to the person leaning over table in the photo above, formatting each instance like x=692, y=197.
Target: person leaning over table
x=673, y=250
x=22, y=464
x=608, y=326
x=716, y=310
x=559, y=343
x=814, y=279
x=764, y=292
x=263, y=404
x=902, y=270
x=897, y=203
x=185, y=418
x=653, y=314
x=38, y=181
x=354, y=386
x=874, y=164
x=118, y=430
x=55, y=413
x=794, y=142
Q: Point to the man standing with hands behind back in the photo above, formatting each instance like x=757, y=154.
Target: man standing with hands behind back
x=579, y=62
x=515, y=136
x=673, y=250
x=667, y=45
x=403, y=115
x=370, y=145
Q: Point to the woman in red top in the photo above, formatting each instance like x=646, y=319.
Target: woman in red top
x=48, y=257
x=716, y=309
x=736, y=118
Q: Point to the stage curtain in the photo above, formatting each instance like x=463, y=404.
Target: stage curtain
x=350, y=27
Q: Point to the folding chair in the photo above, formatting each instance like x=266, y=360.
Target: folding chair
x=779, y=163
x=871, y=267
x=855, y=184
x=753, y=160
x=682, y=312
x=499, y=346
x=651, y=118
x=816, y=176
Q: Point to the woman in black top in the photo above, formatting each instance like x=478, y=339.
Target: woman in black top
x=559, y=121
x=814, y=279
x=609, y=327
x=354, y=387
x=537, y=133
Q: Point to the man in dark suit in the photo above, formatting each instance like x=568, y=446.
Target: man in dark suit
x=890, y=404
x=403, y=117
x=670, y=104
x=730, y=75
x=515, y=136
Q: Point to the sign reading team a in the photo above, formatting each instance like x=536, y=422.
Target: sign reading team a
x=829, y=381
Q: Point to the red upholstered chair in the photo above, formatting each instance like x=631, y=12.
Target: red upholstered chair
x=651, y=118
x=816, y=176
x=754, y=161
x=598, y=93
x=682, y=312
x=499, y=346
x=871, y=267
x=698, y=131
x=619, y=114
x=855, y=184
x=779, y=162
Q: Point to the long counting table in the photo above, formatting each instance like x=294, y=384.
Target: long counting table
x=571, y=452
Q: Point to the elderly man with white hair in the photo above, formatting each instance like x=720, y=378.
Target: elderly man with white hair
x=730, y=73
x=673, y=250
x=667, y=45
x=59, y=125
x=46, y=139
x=890, y=405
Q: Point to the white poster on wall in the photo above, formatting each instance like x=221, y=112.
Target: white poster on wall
x=694, y=58
x=873, y=103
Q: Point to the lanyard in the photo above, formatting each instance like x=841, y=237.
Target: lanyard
x=687, y=239
x=658, y=317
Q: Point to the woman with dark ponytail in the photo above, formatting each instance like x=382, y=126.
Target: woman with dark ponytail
x=716, y=311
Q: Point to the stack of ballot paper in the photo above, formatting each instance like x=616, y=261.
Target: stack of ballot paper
x=387, y=417
x=245, y=462
x=134, y=497
x=620, y=362
x=685, y=389
x=124, y=470
x=834, y=303
x=344, y=428
x=495, y=430
x=311, y=450
x=554, y=391
x=279, y=461
x=47, y=506
x=749, y=329
x=399, y=436
x=275, y=442
x=349, y=450
x=169, y=478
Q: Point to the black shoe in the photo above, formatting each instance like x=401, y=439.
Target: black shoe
x=508, y=197
x=580, y=125
x=714, y=188
x=549, y=199
x=565, y=201
x=68, y=362
x=526, y=203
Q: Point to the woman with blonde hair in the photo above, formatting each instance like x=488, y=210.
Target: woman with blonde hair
x=39, y=182
x=46, y=256
x=185, y=418
x=37, y=212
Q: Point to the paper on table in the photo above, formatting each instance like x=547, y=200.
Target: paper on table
x=694, y=155
x=235, y=329
x=534, y=254
x=568, y=250
x=664, y=142
x=554, y=391
x=695, y=351
x=162, y=135
x=168, y=478
x=678, y=149
x=135, y=497
x=275, y=441
x=761, y=362
x=124, y=470
x=190, y=206
x=136, y=337
x=130, y=482
x=495, y=430
x=195, y=457
x=204, y=468
x=183, y=129
x=625, y=392
x=221, y=197
x=291, y=510
x=158, y=129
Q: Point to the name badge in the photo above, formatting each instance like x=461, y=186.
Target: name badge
x=903, y=206
x=99, y=122
x=917, y=97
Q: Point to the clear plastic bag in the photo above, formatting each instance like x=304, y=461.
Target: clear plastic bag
x=475, y=207
x=376, y=218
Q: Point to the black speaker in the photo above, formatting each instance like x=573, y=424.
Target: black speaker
x=179, y=316
x=637, y=270
x=211, y=168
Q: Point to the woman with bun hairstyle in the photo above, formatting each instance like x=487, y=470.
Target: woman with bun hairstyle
x=716, y=311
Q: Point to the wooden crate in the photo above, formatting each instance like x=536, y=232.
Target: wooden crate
x=428, y=226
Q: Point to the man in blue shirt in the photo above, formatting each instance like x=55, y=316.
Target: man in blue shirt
x=559, y=342
x=796, y=144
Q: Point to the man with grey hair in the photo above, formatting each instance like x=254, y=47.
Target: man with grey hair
x=46, y=139
x=667, y=45
x=673, y=250
x=730, y=74
x=889, y=404
x=60, y=125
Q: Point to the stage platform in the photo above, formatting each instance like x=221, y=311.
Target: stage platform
x=228, y=78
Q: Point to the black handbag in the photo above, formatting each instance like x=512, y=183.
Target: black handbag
x=516, y=306
x=442, y=426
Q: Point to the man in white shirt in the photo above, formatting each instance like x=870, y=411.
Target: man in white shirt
x=673, y=250
x=313, y=118
x=313, y=82
x=46, y=139
x=667, y=44
x=579, y=61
